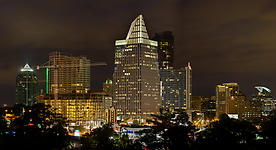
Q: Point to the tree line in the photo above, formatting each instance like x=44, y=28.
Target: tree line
x=38, y=128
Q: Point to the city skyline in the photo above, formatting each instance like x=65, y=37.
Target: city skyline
x=231, y=43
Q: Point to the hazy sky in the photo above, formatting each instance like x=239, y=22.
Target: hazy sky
x=225, y=41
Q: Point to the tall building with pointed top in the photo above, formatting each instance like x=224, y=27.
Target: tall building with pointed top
x=136, y=81
x=26, y=86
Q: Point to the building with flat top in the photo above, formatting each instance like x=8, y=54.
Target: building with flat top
x=66, y=74
x=136, y=81
x=79, y=109
x=225, y=93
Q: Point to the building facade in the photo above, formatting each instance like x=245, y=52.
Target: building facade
x=165, y=49
x=188, y=87
x=176, y=88
x=67, y=74
x=263, y=100
x=79, y=109
x=173, y=89
x=224, y=93
x=136, y=81
x=26, y=86
x=107, y=87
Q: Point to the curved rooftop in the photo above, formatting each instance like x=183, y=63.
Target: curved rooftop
x=263, y=89
x=137, y=34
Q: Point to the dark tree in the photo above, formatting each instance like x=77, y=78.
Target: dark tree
x=268, y=128
x=37, y=128
x=171, y=131
x=227, y=134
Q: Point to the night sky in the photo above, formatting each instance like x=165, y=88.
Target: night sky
x=225, y=41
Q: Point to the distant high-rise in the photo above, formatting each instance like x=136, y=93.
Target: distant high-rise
x=67, y=74
x=107, y=87
x=225, y=93
x=173, y=89
x=176, y=88
x=263, y=100
x=165, y=49
x=136, y=81
x=26, y=86
x=188, y=87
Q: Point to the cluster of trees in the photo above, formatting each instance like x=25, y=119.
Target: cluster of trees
x=173, y=131
x=37, y=127
x=34, y=127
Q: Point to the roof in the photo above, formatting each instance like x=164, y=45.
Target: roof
x=27, y=68
x=137, y=34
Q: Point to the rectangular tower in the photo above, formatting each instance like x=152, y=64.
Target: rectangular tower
x=225, y=93
x=165, y=49
x=173, y=89
x=136, y=81
x=68, y=74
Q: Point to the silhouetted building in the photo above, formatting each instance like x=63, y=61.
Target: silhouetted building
x=26, y=86
x=165, y=49
x=107, y=87
x=136, y=81
x=208, y=107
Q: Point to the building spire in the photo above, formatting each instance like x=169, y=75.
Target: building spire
x=138, y=29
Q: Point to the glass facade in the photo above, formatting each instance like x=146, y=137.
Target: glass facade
x=136, y=81
x=173, y=88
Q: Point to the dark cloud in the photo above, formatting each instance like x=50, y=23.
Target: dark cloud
x=225, y=40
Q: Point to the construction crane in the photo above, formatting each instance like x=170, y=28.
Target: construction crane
x=56, y=68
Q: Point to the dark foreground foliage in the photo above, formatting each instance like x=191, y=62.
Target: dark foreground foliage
x=38, y=128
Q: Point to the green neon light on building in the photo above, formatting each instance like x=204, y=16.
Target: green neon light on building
x=47, y=78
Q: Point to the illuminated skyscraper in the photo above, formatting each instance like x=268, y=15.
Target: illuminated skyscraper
x=26, y=86
x=136, y=81
x=165, y=49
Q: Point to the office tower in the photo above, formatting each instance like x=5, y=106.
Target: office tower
x=165, y=49
x=107, y=87
x=263, y=100
x=188, y=87
x=136, y=81
x=208, y=107
x=173, y=84
x=26, y=86
x=67, y=74
x=225, y=93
